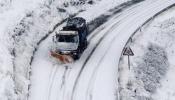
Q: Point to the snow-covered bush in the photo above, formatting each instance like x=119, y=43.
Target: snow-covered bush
x=152, y=67
x=4, y=4
x=145, y=74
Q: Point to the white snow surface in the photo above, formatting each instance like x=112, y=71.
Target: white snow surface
x=159, y=32
x=25, y=22
x=95, y=78
x=166, y=24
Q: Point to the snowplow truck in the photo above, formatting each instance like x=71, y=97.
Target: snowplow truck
x=70, y=41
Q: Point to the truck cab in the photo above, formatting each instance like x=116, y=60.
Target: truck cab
x=72, y=39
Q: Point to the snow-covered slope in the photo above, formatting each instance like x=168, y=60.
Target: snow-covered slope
x=11, y=12
x=152, y=67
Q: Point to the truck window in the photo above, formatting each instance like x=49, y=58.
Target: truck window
x=67, y=38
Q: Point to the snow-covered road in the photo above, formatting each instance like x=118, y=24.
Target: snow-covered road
x=94, y=76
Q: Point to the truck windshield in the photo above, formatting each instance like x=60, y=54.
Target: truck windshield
x=67, y=38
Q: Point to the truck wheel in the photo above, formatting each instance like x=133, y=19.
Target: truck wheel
x=85, y=44
x=77, y=56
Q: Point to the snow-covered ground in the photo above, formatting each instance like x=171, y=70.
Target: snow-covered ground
x=151, y=75
x=94, y=76
x=25, y=28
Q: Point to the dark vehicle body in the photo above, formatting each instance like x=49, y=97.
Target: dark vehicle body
x=78, y=24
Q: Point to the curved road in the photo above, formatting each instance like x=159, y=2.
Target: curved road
x=94, y=76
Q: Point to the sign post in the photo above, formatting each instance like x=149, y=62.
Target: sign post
x=128, y=52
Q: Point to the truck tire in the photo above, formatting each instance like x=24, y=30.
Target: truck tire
x=86, y=44
x=77, y=56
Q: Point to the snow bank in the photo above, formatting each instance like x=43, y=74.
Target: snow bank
x=11, y=12
x=6, y=75
x=152, y=67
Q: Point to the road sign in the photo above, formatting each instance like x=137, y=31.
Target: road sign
x=127, y=51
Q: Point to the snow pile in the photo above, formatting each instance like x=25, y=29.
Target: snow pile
x=152, y=67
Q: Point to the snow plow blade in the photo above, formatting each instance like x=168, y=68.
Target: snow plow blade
x=62, y=58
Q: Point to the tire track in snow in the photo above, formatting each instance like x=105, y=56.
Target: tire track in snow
x=54, y=71
x=62, y=87
x=52, y=78
x=64, y=76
